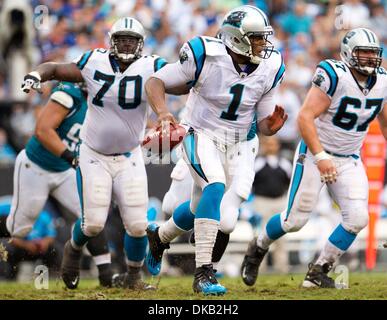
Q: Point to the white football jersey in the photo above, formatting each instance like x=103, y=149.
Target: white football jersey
x=224, y=98
x=117, y=104
x=343, y=127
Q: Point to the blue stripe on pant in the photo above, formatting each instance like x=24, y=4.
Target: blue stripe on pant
x=297, y=177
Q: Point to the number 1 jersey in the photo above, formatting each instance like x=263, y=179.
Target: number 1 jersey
x=225, y=97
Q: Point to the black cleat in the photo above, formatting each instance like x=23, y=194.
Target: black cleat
x=130, y=281
x=156, y=249
x=106, y=279
x=69, y=270
x=206, y=283
x=251, y=262
x=317, y=276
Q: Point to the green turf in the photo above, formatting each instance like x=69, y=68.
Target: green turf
x=362, y=286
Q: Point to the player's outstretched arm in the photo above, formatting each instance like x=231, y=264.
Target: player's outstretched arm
x=382, y=117
x=316, y=103
x=51, y=71
x=50, y=118
x=155, y=90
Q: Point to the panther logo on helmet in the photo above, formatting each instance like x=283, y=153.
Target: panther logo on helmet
x=235, y=18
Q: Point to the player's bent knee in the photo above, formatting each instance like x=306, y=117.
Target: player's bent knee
x=18, y=229
x=228, y=220
x=358, y=220
x=137, y=228
x=295, y=221
x=169, y=203
x=92, y=230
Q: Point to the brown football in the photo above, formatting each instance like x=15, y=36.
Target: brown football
x=160, y=142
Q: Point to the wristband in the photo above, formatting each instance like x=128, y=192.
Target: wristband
x=322, y=156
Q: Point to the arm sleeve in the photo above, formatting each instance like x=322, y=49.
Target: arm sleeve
x=184, y=71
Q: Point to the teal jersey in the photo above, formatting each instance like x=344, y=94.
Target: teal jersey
x=68, y=132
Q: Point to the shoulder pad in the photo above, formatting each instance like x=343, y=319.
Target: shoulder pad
x=334, y=70
x=158, y=62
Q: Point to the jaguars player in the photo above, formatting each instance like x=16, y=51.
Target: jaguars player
x=232, y=78
x=344, y=98
x=46, y=167
x=110, y=159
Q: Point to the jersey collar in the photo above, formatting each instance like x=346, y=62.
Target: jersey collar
x=371, y=81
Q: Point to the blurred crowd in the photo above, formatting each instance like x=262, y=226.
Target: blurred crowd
x=306, y=32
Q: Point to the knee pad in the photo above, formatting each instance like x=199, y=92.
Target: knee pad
x=100, y=193
x=92, y=230
x=244, y=183
x=356, y=220
x=135, y=192
x=93, y=222
x=136, y=228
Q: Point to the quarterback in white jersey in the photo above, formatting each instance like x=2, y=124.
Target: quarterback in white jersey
x=110, y=158
x=345, y=97
x=233, y=79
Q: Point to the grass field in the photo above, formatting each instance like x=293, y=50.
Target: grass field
x=361, y=286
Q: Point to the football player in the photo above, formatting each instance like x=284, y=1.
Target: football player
x=344, y=98
x=111, y=163
x=232, y=77
x=176, y=203
x=46, y=167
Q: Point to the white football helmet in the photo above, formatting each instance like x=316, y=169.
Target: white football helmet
x=127, y=27
x=239, y=24
x=361, y=39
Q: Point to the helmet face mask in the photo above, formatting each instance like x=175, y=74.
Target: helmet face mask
x=245, y=31
x=126, y=47
x=361, y=51
x=367, y=59
x=127, y=39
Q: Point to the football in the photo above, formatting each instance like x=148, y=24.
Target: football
x=160, y=141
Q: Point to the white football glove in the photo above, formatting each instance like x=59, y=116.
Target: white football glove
x=32, y=81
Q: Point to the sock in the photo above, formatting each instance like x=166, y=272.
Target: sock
x=205, y=236
x=78, y=239
x=339, y=242
x=220, y=246
x=3, y=227
x=135, y=249
x=104, y=269
x=207, y=222
x=181, y=221
x=98, y=246
x=272, y=232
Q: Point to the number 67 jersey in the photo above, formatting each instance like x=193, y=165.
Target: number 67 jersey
x=343, y=127
x=117, y=105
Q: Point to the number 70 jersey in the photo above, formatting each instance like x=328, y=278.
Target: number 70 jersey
x=343, y=127
x=117, y=105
